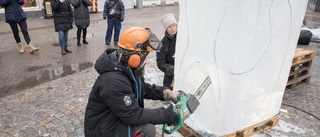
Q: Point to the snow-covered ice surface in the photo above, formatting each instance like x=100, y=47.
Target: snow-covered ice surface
x=315, y=32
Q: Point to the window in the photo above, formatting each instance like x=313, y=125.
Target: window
x=28, y=4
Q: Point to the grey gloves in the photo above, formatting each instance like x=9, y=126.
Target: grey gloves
x=170, y=70
x=171, y=116
x=169, y=95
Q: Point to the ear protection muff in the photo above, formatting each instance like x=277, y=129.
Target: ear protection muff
x=134, y=60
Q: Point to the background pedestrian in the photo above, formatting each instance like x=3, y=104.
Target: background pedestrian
x=114, y=11
x=15, y=15
x=82, y=18
x=62, y=15
x=165, y=57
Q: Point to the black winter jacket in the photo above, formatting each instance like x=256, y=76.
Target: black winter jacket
x=62, y=15
x=119, y=9
x=81, y=13
x=165, y=57
x=115, y=103
x=13, y=10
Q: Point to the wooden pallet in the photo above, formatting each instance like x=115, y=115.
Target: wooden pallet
x=186, y=131
x=299, y=72
x=302, y=55
x=304, y=65
x=246, y=132
x=298, y=82
x=256, y=128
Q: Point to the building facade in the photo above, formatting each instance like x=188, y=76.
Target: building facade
x=42, y=8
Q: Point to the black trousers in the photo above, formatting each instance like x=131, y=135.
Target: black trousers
x=167, y=81
x=147, y=130
x=79, y=33
x=24, y=30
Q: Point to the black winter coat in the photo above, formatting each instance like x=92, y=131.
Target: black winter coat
x=115, y=103
x=62, y=15
x=81, y=13
x=13, y=10
x=165, y=57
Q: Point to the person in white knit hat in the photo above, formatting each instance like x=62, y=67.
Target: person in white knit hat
x=165, y=57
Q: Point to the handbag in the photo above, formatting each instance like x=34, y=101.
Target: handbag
x=113, y=8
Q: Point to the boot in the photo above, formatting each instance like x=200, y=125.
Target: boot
x=32, y=48
x=68, y=51
x=84, y=37
x=78, y=36
x=85, y=42
x=63, y=52
x=21, y=50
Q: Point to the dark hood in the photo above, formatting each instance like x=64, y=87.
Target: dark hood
x=108, y=61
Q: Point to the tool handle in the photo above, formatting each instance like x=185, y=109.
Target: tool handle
x=179, y=123
x=178, y=108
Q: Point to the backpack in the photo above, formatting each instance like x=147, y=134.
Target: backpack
x=305, y=37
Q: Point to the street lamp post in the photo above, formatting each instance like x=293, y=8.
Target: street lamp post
x=139, y=4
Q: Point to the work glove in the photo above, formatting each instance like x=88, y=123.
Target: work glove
x=104, y=18
x=170, y=70
x=169, y=95
x=171, y=116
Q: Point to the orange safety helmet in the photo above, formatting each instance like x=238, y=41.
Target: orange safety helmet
x=138, y=39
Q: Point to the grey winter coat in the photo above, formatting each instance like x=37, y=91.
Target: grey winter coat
x=119, y=14
x=62, y=15
x=13, y=10
x=81, y=13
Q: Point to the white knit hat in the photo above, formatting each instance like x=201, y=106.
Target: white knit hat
x=167, y=20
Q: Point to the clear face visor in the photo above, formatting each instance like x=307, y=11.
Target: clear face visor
x=153, y=42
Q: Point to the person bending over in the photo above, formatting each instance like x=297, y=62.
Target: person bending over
x=115, y=106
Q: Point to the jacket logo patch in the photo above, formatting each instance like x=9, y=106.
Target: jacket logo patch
x=127, y=100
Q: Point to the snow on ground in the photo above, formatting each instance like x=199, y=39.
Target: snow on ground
x=288, y=127
x=315, y=32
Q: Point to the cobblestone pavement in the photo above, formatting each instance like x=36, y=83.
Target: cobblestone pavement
x=21, y=71
x=45, y=94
